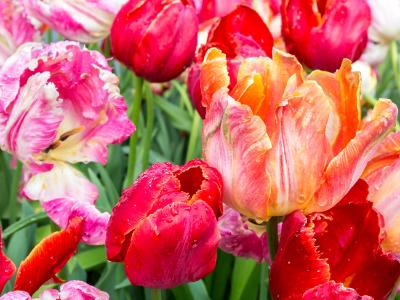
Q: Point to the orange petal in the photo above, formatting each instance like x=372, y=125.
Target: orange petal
x=48, y=257
x=346, y=168
x=235, y=142
x=214, y=74
x=343, y=88
x=300, y=150
x=7, y=267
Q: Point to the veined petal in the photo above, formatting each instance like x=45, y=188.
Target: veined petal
x=62, y=181
x=48, y=257
x=33, y=121
x=385, y=194
x=7, y=267
x=235, y=142
x=175, y=244
x=239, y=238
x=332, y=291
x=301, y=147
x=61, y=210
x=343, y=88
x=346, y=168
x=16, y=295
x=214, y=75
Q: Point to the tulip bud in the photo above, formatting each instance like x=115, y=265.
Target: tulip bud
x=165, y=225
x=322, y=35
x=157, y=39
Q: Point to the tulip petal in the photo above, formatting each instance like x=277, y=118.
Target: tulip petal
x=76, y=289
x=214, y=75
x=346, y=168
x=235, y=142
x=333, y=291
x=297, y=266
x=240, y=239
x=343, y=88
x=7, y=267
x=174, y=245
x=385, y=194
x=16, y=295
x=48, y=257
x=62, y=181
x=301, y=147
x=33, y=122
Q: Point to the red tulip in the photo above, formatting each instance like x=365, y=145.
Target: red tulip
x=240, y=34
x=156, y=38
x=209, y=9
x=48, y=257
x=322, y=33
x=7, y=267
x=165, y=225
x=334, y=254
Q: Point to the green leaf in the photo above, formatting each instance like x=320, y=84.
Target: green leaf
x=91, y=258
x=245, y=279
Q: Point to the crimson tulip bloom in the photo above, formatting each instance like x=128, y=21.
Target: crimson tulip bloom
x=322, y=33
x=165, y=225
x=336, y=254
x=156, y=38
x=240, y=34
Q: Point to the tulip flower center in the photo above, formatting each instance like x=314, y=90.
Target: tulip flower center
x=191, y=180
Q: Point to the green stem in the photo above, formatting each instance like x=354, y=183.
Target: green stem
x=394, y=55
x=17, y=226
x=264, y=281
x=149, y=128
x=155, y=294
x=272, y=233
x=14, y=192
x=134, y=113
x=194, y=133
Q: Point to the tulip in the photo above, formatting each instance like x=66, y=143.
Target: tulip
x=336, y=254
x=84, y=21
x=74, y=289
x=322, y=33
x=241, y=34
x=273, y=126
x=60, y=105
x=385, y=28
x=382, y=175
x=48, y=257
x=7, y=267
x=16, y=28
x=157, y=38
x=241, y=237
x=164, y=227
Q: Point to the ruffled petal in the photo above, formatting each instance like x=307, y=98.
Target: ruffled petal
x=62, y=181
x=240, y=238
x=7, y=267
x=76, y=289
x=333, y=291
x=343, y=88
x=174, y=245
x=16, y=295
x=48, y=257
x=346, y=168
x=235, y=142
x=82, y=21
x=299, y=147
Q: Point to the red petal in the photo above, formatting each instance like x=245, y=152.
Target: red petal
x=174, y=245
x=48, y=257
x=297, y=266
x=7, y=267
x=242, y=33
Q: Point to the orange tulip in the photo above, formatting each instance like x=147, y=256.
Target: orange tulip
x=285, y=142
